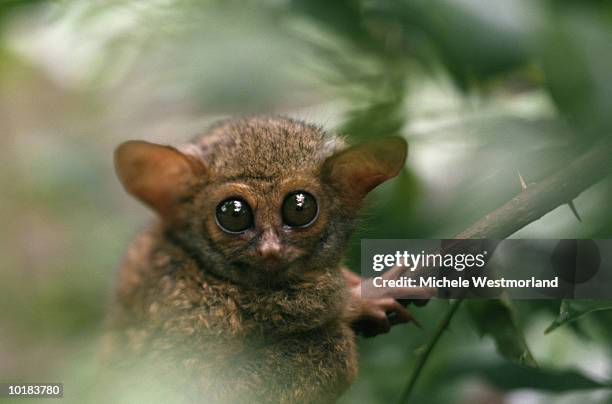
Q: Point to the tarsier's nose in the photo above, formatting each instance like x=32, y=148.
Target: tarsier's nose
x=269, y=246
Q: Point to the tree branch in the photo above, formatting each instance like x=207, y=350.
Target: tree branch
x=539, y=199
x=528, y=206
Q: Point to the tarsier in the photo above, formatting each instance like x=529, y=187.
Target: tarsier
x=239, y=286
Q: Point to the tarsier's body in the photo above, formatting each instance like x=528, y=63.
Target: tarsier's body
x=239, y=287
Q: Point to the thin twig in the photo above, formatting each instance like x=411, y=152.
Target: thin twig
x=423, y=354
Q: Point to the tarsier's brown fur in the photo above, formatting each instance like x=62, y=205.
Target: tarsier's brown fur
x=263, y=316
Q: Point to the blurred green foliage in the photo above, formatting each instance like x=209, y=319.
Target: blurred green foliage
x=495, y=318
x=480, y=88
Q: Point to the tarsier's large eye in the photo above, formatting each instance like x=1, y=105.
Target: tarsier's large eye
x=299, y=209
x=234, y=215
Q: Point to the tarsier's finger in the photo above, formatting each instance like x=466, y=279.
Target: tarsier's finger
x=416, y=302
x=387, y=304
x=395, y=273
x=400, y=314
x=374, y=323
x=369, y=291
x=403, y=315
x=410, y=293
x=418, y=296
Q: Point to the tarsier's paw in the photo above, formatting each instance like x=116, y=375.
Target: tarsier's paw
x=376, y=315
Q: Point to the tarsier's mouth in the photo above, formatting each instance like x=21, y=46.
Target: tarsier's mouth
x=271, y=267
x=256, y=274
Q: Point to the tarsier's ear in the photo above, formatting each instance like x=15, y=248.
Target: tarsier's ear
x=359, y=169
x=160, y=176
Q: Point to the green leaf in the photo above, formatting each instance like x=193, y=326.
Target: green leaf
x=496, y=319
x=572, y=310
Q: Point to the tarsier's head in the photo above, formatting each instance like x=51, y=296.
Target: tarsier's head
x=260, y=200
